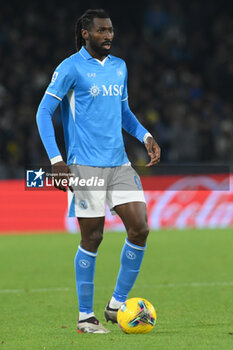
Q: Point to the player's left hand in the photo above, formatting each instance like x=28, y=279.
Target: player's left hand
x=153, y=151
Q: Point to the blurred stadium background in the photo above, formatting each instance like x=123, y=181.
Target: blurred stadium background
x=180, y=62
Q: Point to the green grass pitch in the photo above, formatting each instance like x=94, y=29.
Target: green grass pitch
x=187, y=275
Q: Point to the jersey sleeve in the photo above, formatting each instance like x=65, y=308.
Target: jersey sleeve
x=63, y=79
x=131, y=124
x=44, y=115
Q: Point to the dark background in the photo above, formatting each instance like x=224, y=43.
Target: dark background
x=180, y=62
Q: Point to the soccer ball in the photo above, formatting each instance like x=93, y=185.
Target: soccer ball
x=136, y=315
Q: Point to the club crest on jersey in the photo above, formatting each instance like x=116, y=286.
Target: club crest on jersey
x=110, y=90
x=119, y=72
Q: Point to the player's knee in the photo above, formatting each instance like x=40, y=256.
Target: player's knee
x=139, y=234
x=92, y=242
x=97, y=238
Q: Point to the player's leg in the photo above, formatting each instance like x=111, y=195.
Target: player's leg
x=134, y=217
x=91, y=233
x=85, y=259
x=88, y=205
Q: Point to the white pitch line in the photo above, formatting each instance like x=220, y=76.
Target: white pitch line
x=35, y=290
x=189, y=284
x=163, y=285
x=11, y=291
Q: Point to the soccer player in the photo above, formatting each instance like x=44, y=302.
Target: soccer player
x=91, y=88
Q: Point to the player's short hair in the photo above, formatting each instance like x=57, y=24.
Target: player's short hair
x=84, y=22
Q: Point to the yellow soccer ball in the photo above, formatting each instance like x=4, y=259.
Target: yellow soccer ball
x=136, y=315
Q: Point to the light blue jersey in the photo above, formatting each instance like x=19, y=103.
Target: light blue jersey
x=93, y=97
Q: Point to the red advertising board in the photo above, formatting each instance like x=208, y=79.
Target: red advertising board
x=172, y=201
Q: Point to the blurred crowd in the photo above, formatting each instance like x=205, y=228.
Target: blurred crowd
x=180, y=63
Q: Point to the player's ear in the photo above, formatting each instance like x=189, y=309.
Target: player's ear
x=85, y=34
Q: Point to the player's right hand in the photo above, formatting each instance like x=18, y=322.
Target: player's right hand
x=61, y=171
x=153, y=151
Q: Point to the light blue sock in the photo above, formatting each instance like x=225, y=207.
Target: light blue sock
x=84, y=272
x=131, y=259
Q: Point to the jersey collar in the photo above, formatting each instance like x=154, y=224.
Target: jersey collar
x=85, y=54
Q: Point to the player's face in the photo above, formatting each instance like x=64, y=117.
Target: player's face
x=100, y=36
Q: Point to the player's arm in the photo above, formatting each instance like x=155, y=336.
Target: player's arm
x=44, y=116
x=62, y=81
x=131, y=124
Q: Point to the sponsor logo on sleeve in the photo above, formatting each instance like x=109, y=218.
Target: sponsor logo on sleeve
x=54, y=77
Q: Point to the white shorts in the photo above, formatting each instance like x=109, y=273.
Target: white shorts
x=121, y=185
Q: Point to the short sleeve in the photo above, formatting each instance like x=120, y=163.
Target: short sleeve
x=125, y=89
x=63, y=79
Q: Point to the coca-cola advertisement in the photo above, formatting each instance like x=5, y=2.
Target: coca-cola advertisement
x=172, y=202
x=187, y=201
